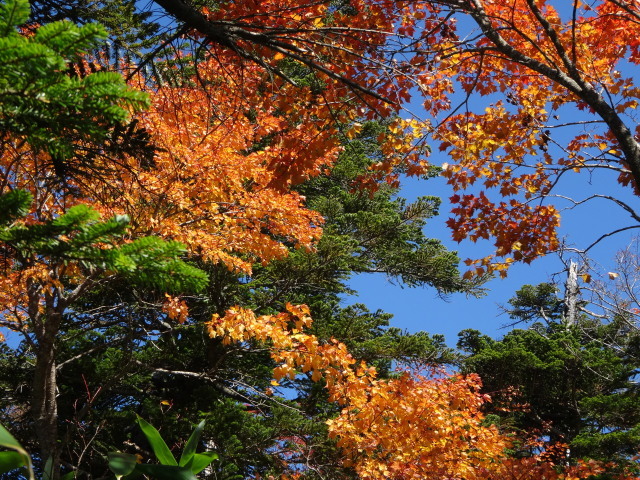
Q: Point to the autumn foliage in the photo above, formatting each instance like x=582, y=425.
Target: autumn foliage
x=519, y=95
x=269, y=92
x=423, y=424
x=212, y=186
x=560, y=98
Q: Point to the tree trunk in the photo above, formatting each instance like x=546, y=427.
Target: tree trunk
x=571, y=294
x=44, y=405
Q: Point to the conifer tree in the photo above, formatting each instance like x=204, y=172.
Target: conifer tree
x=569, y=383
x=182, y=375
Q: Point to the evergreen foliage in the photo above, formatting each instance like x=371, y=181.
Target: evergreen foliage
x=131, y=31
x=79, y=236
x=573, y=384
x=379, y=232
x=51, y=110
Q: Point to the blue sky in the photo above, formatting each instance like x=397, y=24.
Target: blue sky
x=417, y=309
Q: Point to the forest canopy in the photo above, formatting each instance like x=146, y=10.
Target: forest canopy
x=186, y=188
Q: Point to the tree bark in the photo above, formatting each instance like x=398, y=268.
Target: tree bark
x=44, y=407
x=571, y=293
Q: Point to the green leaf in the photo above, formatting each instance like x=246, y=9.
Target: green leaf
x=8, y=441
x=121, y=464
x=66, y=38
x=47, y=473
x=76, y=216
x=166, y=472
x=158, y=445
x=200, y=461
x=10, y=461
x=13, y=205
x=192, y=444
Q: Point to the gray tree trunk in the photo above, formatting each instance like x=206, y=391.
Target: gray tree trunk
x=571, y=295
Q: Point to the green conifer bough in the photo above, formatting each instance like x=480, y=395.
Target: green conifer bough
x=40, y=102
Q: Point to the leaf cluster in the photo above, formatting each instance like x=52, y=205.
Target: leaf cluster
x=191, y=463
x=126, y=26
